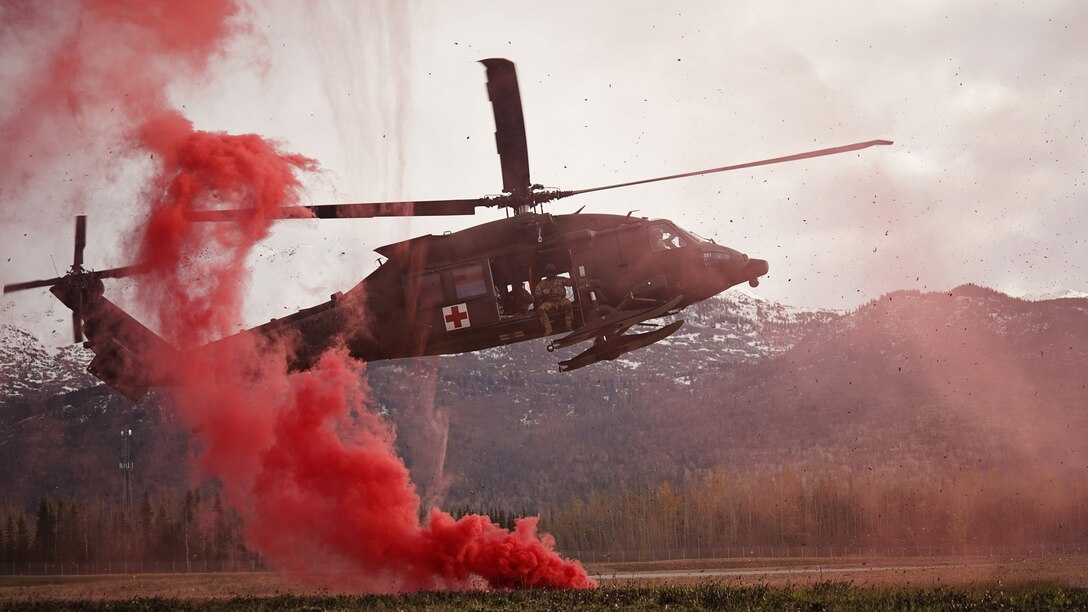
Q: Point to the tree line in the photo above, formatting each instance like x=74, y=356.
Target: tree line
x=793, y=506
x=189, y=531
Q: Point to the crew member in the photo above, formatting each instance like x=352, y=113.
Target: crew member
x=551, y=294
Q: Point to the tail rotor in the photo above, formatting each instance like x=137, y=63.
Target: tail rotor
x=72, y=287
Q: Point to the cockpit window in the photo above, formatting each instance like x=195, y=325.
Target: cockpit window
x=697, y=237
x=665, y=237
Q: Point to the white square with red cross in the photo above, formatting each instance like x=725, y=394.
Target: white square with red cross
x=456, y=317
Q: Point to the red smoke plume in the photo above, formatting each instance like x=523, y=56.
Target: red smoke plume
x=198, y=270
x=312, y=470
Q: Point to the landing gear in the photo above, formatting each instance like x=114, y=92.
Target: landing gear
x=753, y=282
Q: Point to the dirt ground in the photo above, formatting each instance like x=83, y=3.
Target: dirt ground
x=872, y=572
x=918, y=572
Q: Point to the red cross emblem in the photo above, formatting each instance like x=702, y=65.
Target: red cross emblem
x=456, y=317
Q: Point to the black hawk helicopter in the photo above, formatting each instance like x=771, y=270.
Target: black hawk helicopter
x=465, y=291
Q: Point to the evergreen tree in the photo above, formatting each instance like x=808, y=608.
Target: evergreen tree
x=71, y=543
x=188, y=516
x=21, y=549
x=123, y=541
x=45, y=532
x=144, y=528
x=62, y=544
x=222, y=537
x=7, y=542
x=165, y=533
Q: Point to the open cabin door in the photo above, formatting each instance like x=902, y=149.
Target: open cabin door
x=566, y=266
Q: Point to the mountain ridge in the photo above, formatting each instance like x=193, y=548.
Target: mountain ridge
x=925, y=382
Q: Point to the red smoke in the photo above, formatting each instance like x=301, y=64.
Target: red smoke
x=200, y=301
x=311, y=469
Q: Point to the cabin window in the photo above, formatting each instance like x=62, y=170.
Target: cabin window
x=665, y=237
x=430, y=289
x=468, y=281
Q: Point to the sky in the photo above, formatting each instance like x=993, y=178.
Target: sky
x=985, y=102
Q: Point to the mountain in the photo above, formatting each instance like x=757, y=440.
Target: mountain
x=918, y=383
x=1056, y=294
x=28, y=370
x=59, y=426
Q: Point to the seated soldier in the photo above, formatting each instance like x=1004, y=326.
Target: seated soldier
x=551, y=294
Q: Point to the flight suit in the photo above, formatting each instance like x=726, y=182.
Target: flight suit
x=551, y=295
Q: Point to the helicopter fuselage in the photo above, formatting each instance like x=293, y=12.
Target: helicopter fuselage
x=474, y=289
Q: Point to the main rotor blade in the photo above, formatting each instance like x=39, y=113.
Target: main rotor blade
x=502, y=90
x=81, y=241
x=764, y=162
x=121, y=272
x=361, y=210
x=31, y=284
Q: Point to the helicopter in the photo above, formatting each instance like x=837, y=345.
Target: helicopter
x=465, y=291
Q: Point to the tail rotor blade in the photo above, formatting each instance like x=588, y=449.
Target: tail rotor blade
x=81, y=241
x=49, y=282
x=77, y=320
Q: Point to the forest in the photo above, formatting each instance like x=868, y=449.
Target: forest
x=166, y=532
x=792, y=510
x=797, y=511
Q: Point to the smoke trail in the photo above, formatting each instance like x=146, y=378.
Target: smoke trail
x=312, y=471
x=423, y=430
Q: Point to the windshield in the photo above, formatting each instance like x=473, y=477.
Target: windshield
x=697, y=237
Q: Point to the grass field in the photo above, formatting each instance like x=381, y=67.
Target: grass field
x=772, y=584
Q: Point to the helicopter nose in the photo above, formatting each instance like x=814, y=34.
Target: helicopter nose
x=754, y=269
x=732, y=267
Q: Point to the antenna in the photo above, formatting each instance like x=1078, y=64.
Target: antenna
x=126, y=467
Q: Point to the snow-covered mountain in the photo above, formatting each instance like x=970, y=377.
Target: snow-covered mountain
x=28, y=369
x=738, y=326
x=1054, y=294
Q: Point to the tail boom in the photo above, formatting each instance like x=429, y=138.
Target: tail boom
x=128, y=356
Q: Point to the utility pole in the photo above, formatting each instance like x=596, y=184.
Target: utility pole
x=126, y=468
